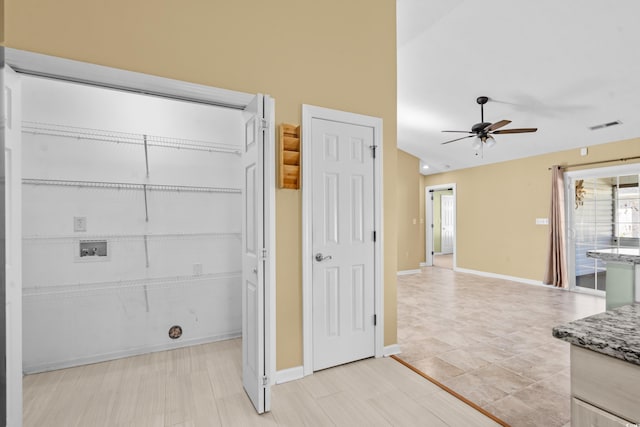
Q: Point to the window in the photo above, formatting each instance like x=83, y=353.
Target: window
x=627, y=215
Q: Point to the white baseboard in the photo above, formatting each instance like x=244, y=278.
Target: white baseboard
x=50, y=366
x=290, y=374
x=501, y=276
x=423, y=264
x=406, y=272
x=390, y=350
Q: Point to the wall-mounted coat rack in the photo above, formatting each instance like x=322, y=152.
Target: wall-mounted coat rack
x=289, y=157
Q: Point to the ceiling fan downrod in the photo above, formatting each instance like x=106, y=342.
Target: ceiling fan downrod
x=482, y=100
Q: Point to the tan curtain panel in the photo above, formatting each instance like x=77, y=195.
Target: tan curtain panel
x=556, y=272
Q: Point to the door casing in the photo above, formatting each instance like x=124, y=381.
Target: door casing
x=310, y=112
x=429, y=222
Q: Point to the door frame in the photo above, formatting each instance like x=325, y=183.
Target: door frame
x=82, y=72
x=429, y=221
x=310, y=112
x=570, y=194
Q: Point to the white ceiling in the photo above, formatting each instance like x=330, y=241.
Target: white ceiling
x=560, y=66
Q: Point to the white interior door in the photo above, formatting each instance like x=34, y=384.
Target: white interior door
x=342, y=242
x=447, y=224
x=13, y=244
x=255, y=335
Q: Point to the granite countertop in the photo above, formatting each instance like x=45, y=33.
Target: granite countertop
x=626, y=255
x=615, y=333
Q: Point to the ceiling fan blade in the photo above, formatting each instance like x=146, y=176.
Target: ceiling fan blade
x=458, y=131
x=458, y=139
x=522, y=130
x=497, y=125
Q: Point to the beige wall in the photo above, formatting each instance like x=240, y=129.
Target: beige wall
x=329, y=53
x=410, y=255
x=497, y=206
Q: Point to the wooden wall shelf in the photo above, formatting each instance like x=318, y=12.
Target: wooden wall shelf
x=289, y=157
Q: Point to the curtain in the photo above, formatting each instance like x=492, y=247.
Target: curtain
x=556, y=272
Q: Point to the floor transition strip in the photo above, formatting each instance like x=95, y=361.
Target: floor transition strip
x=451, y=392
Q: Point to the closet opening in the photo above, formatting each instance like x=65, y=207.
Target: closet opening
x=131, y=222
x=132, y=219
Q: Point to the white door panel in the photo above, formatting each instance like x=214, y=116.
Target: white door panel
x=254, y=278
x=342, y=240
x=447, y=224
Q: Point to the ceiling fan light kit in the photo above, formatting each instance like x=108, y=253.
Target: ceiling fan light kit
x=483, y=131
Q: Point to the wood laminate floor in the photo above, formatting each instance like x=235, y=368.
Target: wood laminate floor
x=201, y=386
x=490, y=340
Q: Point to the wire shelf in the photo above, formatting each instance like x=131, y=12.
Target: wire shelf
x=149, y=284
x=100, y=135
x=115, y=237
x=128, y=186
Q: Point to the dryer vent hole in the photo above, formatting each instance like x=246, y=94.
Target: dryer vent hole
x=175, y=332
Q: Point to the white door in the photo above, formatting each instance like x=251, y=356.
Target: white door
x=255, y=334
x=12, y=121
x=447, y=224
x=342, y=242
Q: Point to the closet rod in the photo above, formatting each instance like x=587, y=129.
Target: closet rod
x=624, y=159
x=37, y=128
x=129, y=186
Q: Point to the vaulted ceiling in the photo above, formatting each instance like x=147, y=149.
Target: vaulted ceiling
x=560, y=66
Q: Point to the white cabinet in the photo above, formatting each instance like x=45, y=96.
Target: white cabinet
x=605, y=390
x=583, y=414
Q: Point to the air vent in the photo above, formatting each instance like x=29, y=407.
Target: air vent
x=605, y=125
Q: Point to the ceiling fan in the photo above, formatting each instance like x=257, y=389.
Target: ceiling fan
x=484, y=130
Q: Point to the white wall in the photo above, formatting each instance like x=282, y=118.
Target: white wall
x=83, y=310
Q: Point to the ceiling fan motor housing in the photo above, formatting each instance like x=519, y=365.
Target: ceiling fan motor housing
x=479, y=127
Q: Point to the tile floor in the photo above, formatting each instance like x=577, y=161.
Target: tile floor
x=202, y=386
x=490, y=340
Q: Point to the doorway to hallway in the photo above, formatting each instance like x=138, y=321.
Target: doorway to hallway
x=440, y=239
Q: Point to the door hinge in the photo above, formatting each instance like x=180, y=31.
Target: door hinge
x=373, y=150
x=431, y=225
x=263, y=254
x=264, y=124
x=432, y=253
x=375, y=319
x=374, y=236
x=265, y=381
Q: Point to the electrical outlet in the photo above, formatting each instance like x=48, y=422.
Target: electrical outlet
x=197, y=269
x=79, y=223
x=542, y=221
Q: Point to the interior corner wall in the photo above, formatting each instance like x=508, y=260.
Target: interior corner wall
x=408, y=202
x=497, y=206
x=333, y=54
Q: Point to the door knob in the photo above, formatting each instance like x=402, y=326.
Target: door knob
x=320, y=257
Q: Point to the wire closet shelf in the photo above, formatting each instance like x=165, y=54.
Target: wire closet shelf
x=101, y=135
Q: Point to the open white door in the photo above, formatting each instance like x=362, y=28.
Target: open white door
x=13, y=244
x=255, y=252
x=447, y=224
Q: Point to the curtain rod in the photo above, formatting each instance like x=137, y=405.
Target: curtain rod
x=624, y=159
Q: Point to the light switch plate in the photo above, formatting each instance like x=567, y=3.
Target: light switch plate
x=542, y=221
x=79, y=223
